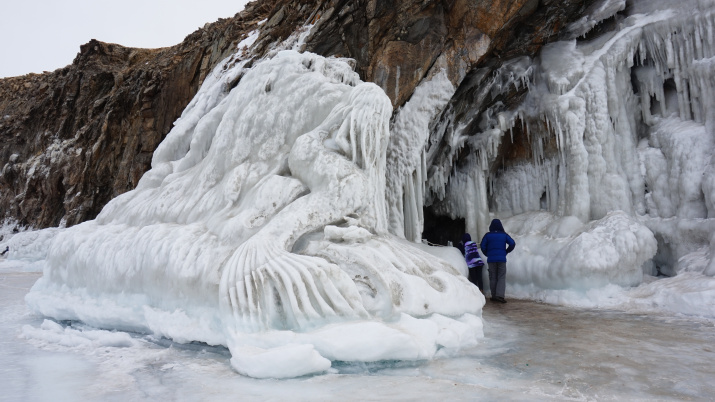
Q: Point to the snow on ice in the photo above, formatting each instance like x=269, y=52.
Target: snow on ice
x=280, y=216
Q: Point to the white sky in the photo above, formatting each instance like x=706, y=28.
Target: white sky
x=44, y=35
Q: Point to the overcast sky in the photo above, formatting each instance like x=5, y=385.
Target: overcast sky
x=44, y=35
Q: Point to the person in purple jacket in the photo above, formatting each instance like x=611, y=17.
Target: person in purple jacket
x=474, y=260
x=495, y=246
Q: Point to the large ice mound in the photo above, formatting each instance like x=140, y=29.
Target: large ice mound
x=262, y=226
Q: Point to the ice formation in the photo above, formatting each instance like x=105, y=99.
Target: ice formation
x=263, y=226
x=620, y=184
x=407, y=167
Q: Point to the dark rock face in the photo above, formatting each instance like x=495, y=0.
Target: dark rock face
x=397, y=42
x=77, y=137
x=531, y=28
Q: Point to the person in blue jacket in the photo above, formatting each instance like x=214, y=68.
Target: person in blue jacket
x=495, y=246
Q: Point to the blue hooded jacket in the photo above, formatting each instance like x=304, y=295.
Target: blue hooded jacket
x=497, y=244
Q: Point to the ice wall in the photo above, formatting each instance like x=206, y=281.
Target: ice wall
x=263, y=226
x=407, y=159
x=620, y=127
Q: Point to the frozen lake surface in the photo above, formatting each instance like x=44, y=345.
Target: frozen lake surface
x=531, y=351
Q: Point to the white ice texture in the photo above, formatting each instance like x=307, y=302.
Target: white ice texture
x=262, y=226
x=620, y=187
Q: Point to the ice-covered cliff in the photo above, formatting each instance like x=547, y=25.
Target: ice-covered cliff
x=603, y=170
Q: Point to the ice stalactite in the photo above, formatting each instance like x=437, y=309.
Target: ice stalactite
x=629, y=111
x=597, y=13
x=527, y=188
x=593, y=121
x=678, y=51
x=610, y=121
x=706, y=72
x=407, y=172
x=463, y=192
x=676, y=78
x=674, y=167
x=604, y=83
x=466, y=197
x=263, y=226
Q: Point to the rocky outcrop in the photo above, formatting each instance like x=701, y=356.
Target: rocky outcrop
x=397, y=43
x=79, y=136
x=75, y=138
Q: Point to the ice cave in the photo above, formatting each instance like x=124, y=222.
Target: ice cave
x=294, y=217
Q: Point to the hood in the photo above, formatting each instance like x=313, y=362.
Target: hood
x=496, y=226
x=466, y=237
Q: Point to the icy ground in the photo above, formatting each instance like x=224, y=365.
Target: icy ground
x=531, y=351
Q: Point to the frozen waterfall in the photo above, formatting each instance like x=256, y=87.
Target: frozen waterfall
x=616, y=184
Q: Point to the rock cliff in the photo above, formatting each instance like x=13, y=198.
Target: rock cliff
x=77, y=137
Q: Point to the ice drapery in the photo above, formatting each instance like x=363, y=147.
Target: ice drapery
x=622, y=121
x=262, y=225
x=407, y=167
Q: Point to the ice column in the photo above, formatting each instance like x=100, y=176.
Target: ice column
x=407, y=171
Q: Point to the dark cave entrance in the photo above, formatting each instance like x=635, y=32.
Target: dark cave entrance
x=441, y=229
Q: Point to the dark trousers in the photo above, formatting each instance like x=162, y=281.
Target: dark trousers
x=475, y=276
x=497, y=278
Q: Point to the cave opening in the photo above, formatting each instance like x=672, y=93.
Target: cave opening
x=635, y=84
x=439, y=229
x=664, y=260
